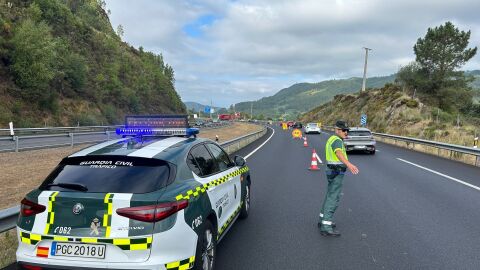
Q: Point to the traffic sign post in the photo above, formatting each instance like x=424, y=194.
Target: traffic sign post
x=363, y=120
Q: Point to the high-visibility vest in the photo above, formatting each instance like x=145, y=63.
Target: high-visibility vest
x=330, y=155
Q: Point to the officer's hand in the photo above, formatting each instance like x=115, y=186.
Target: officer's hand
x=353, y=169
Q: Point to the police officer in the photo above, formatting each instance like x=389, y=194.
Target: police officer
x=337, y=164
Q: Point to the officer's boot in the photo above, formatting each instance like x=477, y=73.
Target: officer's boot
x=320, y=218
x=327, y=230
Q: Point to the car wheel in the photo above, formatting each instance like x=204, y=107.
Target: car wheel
x=206, y=248
x=246, y=203
x=372, y=152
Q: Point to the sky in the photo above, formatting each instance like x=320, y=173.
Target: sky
x=229, y=51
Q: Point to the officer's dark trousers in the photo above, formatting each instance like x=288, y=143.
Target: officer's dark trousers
x=332, y=196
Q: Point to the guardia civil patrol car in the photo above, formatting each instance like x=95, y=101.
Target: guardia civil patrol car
x=157, y=198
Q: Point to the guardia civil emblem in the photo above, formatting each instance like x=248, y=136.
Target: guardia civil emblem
x=94, y=226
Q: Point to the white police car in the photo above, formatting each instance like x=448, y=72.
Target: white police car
x=155, y=199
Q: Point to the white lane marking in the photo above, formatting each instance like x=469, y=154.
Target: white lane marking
x=377, y=150
x=256, y=149
x=441, y=174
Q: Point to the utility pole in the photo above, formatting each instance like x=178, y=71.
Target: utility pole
x=211, y=107
x=365, y=68
x=251, y=110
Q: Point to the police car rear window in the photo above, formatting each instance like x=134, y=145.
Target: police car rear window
x=118, y=174
x=359, y=133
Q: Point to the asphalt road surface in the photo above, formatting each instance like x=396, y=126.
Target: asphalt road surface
x=392, y=215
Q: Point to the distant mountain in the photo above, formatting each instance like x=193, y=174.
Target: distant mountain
x=302, y=97
x=194, y=106
x=476, y=75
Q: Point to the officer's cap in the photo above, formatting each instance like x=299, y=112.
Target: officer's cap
x=342, y=125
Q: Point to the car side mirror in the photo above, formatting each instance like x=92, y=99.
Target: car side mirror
x=239, y=161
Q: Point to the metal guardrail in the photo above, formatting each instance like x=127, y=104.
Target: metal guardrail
x=70, y=138
x=50, y=130
x=8, y=217
x=439, y=145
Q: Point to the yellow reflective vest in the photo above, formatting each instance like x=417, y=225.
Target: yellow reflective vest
x=330, y=155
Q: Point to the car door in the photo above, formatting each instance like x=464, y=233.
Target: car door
x=232, y=182
x=208, y=172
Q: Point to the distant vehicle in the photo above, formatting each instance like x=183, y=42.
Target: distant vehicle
x=290, y=123
x=199, y=123
x=158, y=198
x=297, y=125
x=360, y=138
x=225, y=117
x=312, y=128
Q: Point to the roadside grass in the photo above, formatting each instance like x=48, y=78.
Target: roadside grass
x=8, y=244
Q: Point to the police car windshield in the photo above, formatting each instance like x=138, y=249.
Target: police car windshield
x=109, y=174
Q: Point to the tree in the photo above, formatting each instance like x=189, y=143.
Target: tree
x=441, y=52
x=33, y=58
x=120, y=31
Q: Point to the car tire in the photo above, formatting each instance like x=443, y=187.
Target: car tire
x=372, y=152
x=205, y=256
x=246, y=203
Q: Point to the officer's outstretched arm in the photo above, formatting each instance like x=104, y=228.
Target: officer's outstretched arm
x=349, y=165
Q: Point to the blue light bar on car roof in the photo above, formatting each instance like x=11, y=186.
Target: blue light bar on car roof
x=157, y=125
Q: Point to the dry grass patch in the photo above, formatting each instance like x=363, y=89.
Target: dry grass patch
x=8, y=242
x=24, y=171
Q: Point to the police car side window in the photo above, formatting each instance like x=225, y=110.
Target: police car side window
x=221, y=158
x=204, y=160
x=192, y=164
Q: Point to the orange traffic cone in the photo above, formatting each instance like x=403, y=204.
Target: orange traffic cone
x=305, y=143
x=313, y=165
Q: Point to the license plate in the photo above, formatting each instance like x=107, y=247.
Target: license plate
x=360, y=146
x=78, y=250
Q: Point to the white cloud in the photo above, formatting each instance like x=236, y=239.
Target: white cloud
x=254, y=48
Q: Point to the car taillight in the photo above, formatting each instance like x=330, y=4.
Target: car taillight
x=29, y=208
x=153, y=213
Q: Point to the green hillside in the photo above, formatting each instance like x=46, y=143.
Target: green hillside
x=195, y=107
x=390, y=110
x=303, y=97
x=61, y=63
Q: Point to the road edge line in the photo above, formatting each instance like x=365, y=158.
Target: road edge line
x=256, y=149
x=441, y=174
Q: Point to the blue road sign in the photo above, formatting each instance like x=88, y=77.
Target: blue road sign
x=363, y=120
x=207, y=109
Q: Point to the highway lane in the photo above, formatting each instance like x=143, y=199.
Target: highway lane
x=392, y=215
